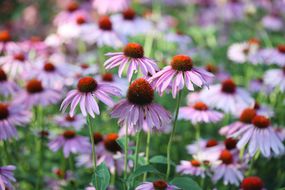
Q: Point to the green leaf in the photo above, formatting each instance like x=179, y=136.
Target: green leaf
x=185, y=183
x=160, y=160
x=141, y=160
x=142, y=170
x=103, y=177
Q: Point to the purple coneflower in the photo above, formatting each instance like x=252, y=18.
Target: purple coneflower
x=200, y=113
x=129, y=24
x=115, y=80
x=72, y=9
x=192, y=167
x=133, y=55
x=139, y=110
x=52, y=74
x=258, y=86
x=104, y=35
x=109, y=6
x=263, y=109
x=112, y=156
x=85, y=69
x=15, y=61
x=260, y=135
x=270, y=56
x=77, y=121
x=181, y=72
x=87, y=90
x=205, y=149
x=6, y=177
x=219, y=73
x=158, y=184
x=86, y=158
x=36, y=94
x=227, y=97
x=245, y=118
x=241, y=52
x=273, y=22
x=275, y=78
x=70, y=142
x=227, y=168
x=7, y=87
x=12, y=115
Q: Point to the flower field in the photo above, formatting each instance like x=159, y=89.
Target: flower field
x=142, y=95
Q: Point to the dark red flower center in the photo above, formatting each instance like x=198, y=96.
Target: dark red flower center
x=211, y=68
x=81, y=20
x=140, y=92
x=260, y=121
x=60, y=173
x=87, y=84
x=69, y=118
x=108, y=77
x=230, y=143
x=4, y=111
x=84, y=66
x=226, y=157
x=49, y=67
x=206, y=162
x=4, y=36
x=201, y=106
x=105, y=23
x=281, y=48
x=98, y=137
x=69, y=134
x=133, y=50
x=252, y=183
x=19, y=57
x=159, y=185
x=111, y=144
x=211, y=143
x=129, y=14
x=35, y=39
x=247, y=115
x=256, y=105
x=3, y=76
x=283, y=70
x=181, y=63
x=229, y=86
x=34, y=86
x=72, y=6
x=195, y=163
x=253, y=41
x=43, y=133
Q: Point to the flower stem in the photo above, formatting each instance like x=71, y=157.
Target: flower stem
x=126, y=153
x=137, y=150
x=40, y=123
x=197, y=127
x=147, y=153
x=89, y=123
x=126, y=158
x=172, y=134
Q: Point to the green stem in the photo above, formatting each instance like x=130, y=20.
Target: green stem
x=254, y=158
x=172, y=134
x=147, y=153
x=89, y=123
x=197, y=127
x=126, y=153
x=126, y=186
x=137, y=150
x=40, y=123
